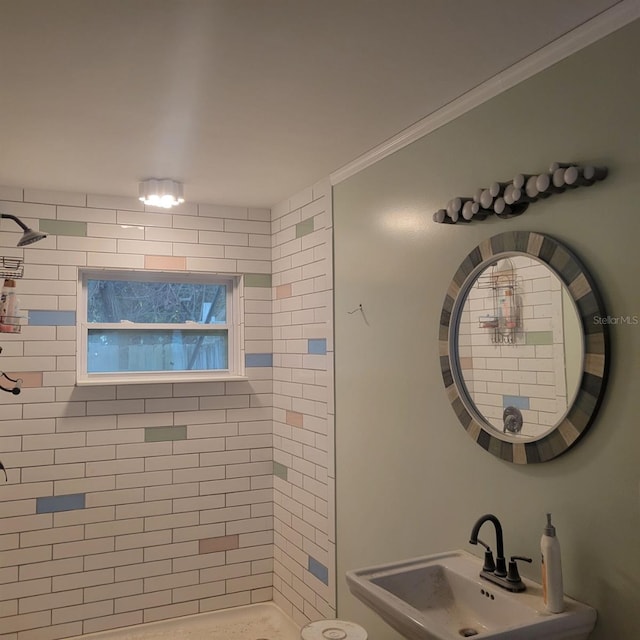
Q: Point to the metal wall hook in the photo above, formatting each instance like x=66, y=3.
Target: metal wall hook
x=17, y=386
x=360, y=308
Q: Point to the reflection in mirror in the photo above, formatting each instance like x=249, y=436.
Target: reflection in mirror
x=520, y=346
x=523, y=350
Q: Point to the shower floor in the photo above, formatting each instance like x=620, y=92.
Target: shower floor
x=264, y=621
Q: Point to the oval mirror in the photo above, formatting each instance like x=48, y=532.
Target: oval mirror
x=523, y=347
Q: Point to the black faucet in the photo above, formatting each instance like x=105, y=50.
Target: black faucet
x=498, y=574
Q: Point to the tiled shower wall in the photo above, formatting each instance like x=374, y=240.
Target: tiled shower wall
x=127, y=504
x=527, y=370
x=304, y=476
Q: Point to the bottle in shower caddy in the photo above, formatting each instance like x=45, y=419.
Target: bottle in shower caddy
x=9, y=308
x=509, y=309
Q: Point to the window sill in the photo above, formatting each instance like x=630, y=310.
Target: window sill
x=162, y=378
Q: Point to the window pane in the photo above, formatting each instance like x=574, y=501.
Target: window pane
x=140, y=350
x=156, y=302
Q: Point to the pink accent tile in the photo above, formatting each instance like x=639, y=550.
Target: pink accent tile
x=30, y=379
x=223, y=543
x=294, y=418
x=171, y=263
x=283, y=291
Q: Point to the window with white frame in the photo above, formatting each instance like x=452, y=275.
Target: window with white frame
x=138, y=326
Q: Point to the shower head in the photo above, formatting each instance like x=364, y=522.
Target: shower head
x=29, y=236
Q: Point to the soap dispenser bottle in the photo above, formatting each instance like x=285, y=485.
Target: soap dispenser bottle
x=552, y=590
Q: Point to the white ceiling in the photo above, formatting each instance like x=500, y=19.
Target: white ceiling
x=245, y=101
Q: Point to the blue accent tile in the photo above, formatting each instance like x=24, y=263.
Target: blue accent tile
x=318, y=570
x=258, y=360
x=52, y=318
x=519, y=402
x=51, y=504
x=318, y=346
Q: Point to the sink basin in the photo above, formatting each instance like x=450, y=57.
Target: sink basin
x=442, y=597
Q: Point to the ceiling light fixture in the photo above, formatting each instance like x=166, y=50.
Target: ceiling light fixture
x=29, y=236
x=164, y=193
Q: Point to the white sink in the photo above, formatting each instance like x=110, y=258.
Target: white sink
x=442, y=597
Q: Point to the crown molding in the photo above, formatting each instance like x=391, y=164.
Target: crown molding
x=602, y=25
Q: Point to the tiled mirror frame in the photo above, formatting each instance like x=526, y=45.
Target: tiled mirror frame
x=595, y=342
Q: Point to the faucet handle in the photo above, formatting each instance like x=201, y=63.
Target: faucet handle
x=512, y=573
x=489, y=564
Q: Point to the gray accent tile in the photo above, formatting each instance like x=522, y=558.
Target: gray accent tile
x=262, y=280
x=304, y=228
x=280, y=470
x=63, y=227
x=163, y=434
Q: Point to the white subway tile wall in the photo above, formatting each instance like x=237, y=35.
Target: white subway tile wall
x=526, y=371
x=304, y=555
x=129, y=504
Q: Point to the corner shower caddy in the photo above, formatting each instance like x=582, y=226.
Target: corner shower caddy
x=504, y=321
x=12, y=268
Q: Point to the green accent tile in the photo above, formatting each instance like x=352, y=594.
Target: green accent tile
x=305, y=227
x=539, y=337
x=279, y=470
x=257, y=280
x=63, y=227
x=162, y=434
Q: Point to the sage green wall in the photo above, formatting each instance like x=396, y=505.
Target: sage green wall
x=409, y=479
